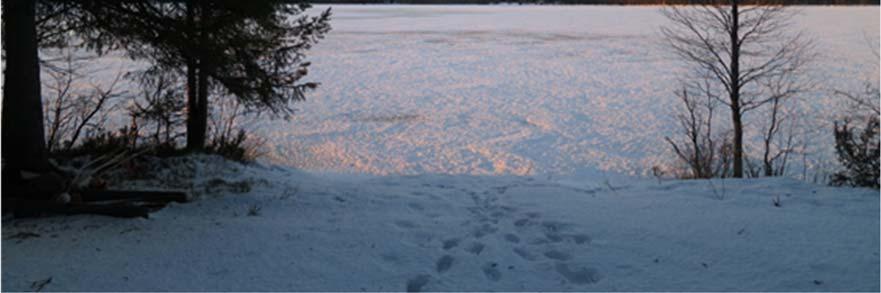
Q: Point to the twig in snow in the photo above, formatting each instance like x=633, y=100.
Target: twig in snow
x=38, y=285
x=612, y=188
x=254, y=210
x=776, y=201
x=718, y=195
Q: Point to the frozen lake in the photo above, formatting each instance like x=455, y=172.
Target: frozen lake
x=480, y=90
x=557, y=90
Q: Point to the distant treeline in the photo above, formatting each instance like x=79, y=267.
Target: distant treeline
x=587, y=2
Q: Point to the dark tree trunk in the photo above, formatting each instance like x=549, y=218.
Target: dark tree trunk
x=195, y=142
x=735, y=91
x=192, y=106
x=738, y=141
x=24, y=145
x=201, y=114
x=201, y=130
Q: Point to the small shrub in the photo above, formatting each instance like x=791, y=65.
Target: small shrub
x=858, y=152
x=700, y=149
x=241, y=147
x=105, y=142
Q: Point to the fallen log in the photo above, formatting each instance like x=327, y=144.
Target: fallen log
x=116, y=203
x=125, y=195
x=27, y=208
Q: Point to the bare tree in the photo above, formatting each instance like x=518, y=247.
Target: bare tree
x=866, y=101
x=162, y=107
x=72, y=109
x=57, y=109
x=741, y=49
x=225, y=119
x=781, y=138
x=697, y=149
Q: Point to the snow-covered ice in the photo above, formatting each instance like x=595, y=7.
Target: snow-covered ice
x=297, y=231
x=556, y=90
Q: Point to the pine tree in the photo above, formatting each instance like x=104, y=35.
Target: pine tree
x=252, y=50
x=858, y=153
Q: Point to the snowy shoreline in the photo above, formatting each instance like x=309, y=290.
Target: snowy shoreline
x=293, y=230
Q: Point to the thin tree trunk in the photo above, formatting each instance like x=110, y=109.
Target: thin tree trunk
x=24, y=143
x=192, y=90
x=766, y=158
x=735, y=91
x=193, y=137
x=201, y=110
x=738, y=142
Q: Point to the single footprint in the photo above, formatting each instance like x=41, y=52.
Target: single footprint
x=484, y=230
x=405, y=224
x=521, y=222
x=524, y=254
x=476, y=248
x=444, y=263
x=512, y=238
x=581, y=238
x=416, y=283
x=450, y=243
x=416, y=206
x=538, y=241
x=554, y=226
x=554, y=237
x=509, y=208
x=390, y=257
x=492, y=272
x=580, y=276
x=557, y=255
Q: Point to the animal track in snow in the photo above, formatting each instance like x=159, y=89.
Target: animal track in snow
x=521, y=222
x=559, y=237
x=491, y=271
x=405, y=224
x=415, y=284
x=512, y=238
x=554, y=237
x=484, y=230
x=476, y=248
x=416, y=206
x=557, y=255
x=444, y=263
x=580, y=276
x=554, y=226
x=523, y=253
x=390, y=257
x=538, y=241
x=450, y=243
x=581, y=238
